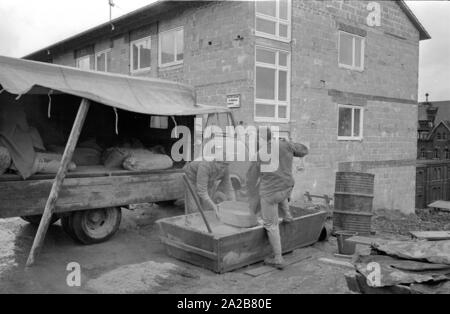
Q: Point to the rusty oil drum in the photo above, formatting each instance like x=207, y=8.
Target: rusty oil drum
x=353, y=202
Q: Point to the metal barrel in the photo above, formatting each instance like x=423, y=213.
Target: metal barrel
x=352, y=221
x=353, y=202
x=354, y=191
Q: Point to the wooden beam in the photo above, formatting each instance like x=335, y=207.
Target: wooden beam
x=197, y=201
x=59, y=179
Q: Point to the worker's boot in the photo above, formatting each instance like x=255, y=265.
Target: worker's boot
x=275, y=241
x=278, y=263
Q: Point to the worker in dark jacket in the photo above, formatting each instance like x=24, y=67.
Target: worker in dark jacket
x=205, y=176
x=271, y=191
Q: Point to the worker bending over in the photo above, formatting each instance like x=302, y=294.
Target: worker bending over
x=271, y=190
x=205, y=176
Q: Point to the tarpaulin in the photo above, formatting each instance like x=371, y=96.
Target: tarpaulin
x=431, y=251
x=141, y=95
x=395, y=271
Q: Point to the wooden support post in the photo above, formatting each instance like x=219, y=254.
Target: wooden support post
x=197, y=201
x=59, y=179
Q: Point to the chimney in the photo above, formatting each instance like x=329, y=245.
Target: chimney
x=431, y=111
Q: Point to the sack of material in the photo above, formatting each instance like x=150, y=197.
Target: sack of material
x=114, y=157
x=5, y=160
x=49, y=163
x=146, y=160
x=86, y=157
x=82, y=156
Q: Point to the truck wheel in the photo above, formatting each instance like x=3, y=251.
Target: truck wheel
x=95, y=225
x=35, y=220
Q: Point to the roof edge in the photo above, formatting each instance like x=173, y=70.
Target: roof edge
x=424, y=35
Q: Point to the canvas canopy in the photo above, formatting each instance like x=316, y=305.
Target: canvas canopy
x=141, y=95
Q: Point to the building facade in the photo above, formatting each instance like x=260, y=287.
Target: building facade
x=339, y=76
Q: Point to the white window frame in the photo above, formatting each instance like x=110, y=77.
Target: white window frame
x=361, y=123
x=106, y=59
x=275, y=102
x=277, y=21
x=138, y=41
x=363, y=48
x=77, y=62
x=176, y=62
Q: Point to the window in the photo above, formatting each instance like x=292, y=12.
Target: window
x=84, y=63
x=273, y=19
x=351, y=51
x=103, y=61
x=171, y=47
x=350, y=125
x=272, y=85
x=159, y=122
x=436, y=153
x=141, y=55
x=423, y=153
x=447, y=153
x=438, y=136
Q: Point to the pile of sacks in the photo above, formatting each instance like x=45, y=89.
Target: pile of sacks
x=136, y=159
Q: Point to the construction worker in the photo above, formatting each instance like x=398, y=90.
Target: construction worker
x=270, y=191
x=209, y=178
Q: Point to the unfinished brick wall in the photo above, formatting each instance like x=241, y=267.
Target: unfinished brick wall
x=218, y=64
x=391, y=70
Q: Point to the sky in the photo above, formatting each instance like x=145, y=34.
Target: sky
x=27, y=26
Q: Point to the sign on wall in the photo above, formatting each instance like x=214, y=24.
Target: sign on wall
x=234, y=101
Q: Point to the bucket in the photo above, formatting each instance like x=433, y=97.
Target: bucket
x=344, y=247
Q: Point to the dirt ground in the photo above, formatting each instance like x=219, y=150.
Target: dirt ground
x=134, y=261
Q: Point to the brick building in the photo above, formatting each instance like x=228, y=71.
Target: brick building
x=314, y=68
x=434, y=130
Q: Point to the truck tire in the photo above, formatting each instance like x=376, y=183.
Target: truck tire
x=35, y=220
x=95, y=225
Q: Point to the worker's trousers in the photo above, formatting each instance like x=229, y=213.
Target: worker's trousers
x=269, y=210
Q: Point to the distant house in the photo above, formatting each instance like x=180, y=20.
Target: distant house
x=434, y=131
x=433, y=153
x=317, y=69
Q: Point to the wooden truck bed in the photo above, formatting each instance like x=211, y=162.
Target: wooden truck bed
x=88, y=188
x=229, y=248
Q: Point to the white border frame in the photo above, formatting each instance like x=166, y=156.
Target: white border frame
x=106, y=59
x=361, y=123
x=277, y=21
x=275, y=102
x=176, y=62
x=149, y=38
x=363, y=49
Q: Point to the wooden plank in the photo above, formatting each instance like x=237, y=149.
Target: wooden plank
x=431, y=235
x=335, y=262
x=363, y=240
x=56, y=187
x=261, y=270
x=89, y=172
x=442, y=205
x=88, y=193
x=197, y=202
x=188, y=248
